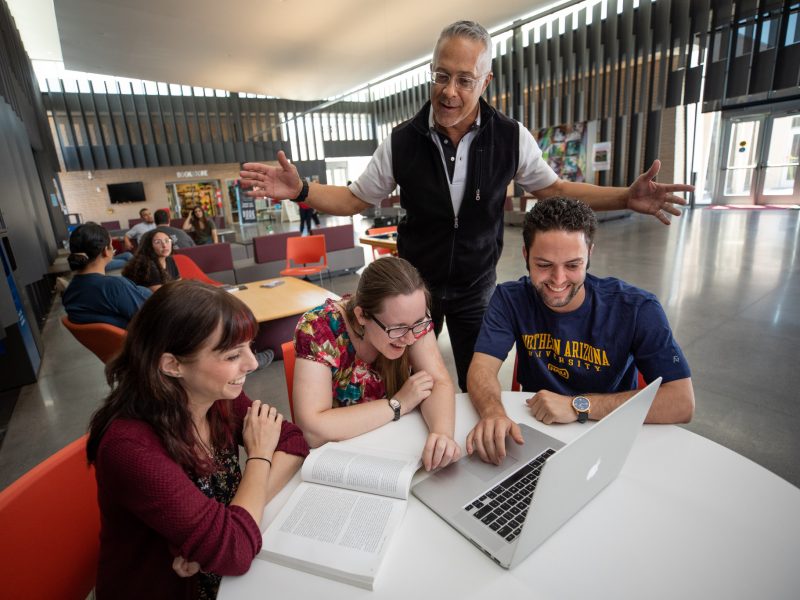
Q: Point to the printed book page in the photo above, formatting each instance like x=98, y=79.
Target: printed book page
x=339, y=521
x=370, y=470
x=333, y=532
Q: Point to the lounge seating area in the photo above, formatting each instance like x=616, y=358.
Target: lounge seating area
x=265, y=256
x=268, y=256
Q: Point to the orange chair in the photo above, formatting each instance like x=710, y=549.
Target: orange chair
x=376, y=251
x=516, y=387
x=304, y=251
x=50, y=524
x=188, y=269
x=104, y=340
x=288, y=371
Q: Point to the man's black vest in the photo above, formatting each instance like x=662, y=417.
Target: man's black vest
x=455, y=254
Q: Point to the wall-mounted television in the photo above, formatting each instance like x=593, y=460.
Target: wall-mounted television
x=126, y=192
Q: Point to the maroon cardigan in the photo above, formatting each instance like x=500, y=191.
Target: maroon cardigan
x=151, y=511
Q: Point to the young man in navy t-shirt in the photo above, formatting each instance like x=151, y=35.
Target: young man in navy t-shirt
x=581, y=340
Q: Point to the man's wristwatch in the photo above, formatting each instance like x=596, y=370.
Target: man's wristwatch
x=394, y=404
x=301, y=197
x=581, y=405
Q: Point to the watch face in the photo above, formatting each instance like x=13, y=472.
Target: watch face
x=394, y=403
x=581, y=404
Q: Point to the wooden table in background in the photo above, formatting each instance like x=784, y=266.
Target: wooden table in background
x=277, y=309
x=380, y=241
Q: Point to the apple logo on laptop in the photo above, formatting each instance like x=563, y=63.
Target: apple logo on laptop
x=593, y=471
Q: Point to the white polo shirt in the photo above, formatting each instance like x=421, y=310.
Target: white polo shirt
x=377, y=181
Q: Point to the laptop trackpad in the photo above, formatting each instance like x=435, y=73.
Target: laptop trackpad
x=485, y=471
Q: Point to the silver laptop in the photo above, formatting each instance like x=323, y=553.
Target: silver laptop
x=509, y=510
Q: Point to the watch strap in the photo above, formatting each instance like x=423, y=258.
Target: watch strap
x=583, y=415
x=395, y=406
x=301, y=197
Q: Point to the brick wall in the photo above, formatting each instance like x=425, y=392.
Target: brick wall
x=89, y=197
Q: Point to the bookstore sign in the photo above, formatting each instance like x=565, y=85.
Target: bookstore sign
x=191, y=174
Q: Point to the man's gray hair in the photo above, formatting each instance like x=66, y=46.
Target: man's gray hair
x=471, y=30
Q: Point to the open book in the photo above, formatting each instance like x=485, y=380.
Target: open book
x=340, y=519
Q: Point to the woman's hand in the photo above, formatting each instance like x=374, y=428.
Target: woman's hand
x=414, y=390
x=262, y=429
x=440, y=450
x=185, y=568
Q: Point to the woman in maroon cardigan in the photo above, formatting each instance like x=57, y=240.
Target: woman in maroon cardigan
x=176, y=511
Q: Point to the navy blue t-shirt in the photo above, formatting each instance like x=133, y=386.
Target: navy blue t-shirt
x=95, y=298
x=596, y=348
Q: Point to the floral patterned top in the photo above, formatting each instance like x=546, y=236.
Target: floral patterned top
x=321, y=336
x=220, y=485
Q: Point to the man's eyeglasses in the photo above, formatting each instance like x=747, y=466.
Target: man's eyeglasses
x=418, y=329
x=462, y=81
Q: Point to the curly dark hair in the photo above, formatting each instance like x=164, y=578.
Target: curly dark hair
x=139, y=267
x=176, y=319
x=564, y=214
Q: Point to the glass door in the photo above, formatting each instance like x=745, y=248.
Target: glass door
x=742, y=144
x=780, y=182
x=761, y=155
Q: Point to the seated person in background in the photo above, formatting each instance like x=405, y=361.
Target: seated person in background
x=138, y=230
x=580, y=339
x=180, y=239
x=153, y=265
x=92, y=296
x=363, y=362
x=176, y=511
x=203, y=230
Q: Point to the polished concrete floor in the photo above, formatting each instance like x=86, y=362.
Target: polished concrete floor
x=729, y=281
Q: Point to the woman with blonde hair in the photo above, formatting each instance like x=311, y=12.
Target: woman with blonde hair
x=365, y=361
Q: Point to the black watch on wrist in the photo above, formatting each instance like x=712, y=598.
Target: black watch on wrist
x=394, y=404
x=581, y=405
x=301, y=197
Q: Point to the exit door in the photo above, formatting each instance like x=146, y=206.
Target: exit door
x=761, y=153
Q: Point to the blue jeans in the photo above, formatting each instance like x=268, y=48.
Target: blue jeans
x=119, y=261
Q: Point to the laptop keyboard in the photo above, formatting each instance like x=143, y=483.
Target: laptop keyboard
x=503, y=508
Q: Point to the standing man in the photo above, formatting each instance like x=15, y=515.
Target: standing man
x=581, y=340
x=453, y=162
x=138, y=230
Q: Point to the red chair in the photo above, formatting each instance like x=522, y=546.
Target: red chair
x=288, y=371
x=119, y=245
x=516, y=387
x=50, y=524
x=306, y=251
x=104, y=340
x=188, y=269
x=376, y=251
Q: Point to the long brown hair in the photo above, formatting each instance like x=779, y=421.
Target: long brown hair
x=201, y=223
x=138, y=268
x=385, y=278
x=177, y=319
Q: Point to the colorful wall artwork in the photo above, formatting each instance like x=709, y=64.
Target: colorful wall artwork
x=564, y=149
